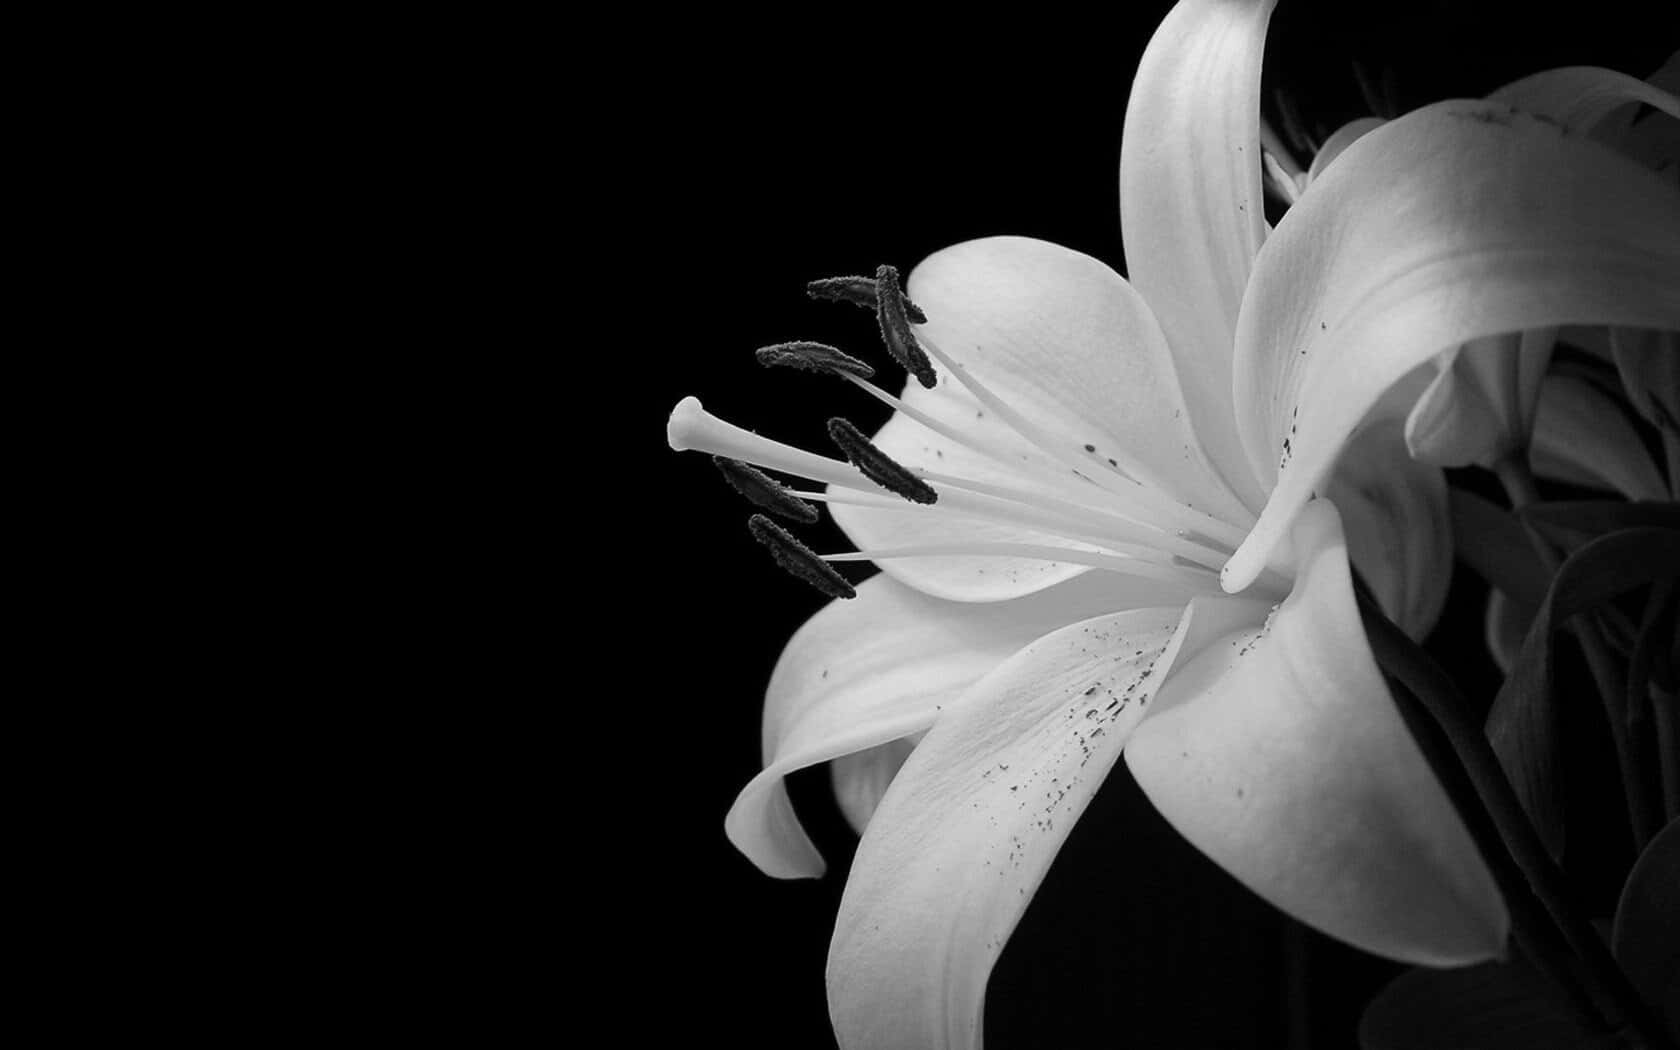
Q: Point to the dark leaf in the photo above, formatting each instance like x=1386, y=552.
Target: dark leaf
x=1492, y=542
x=1522, y=725
x=1649, y=362
x=1591, y=362
x=1574, y=522
x=1494, y=1006
x=1646, y=936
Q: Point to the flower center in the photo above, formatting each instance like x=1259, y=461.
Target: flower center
x=1090, y=508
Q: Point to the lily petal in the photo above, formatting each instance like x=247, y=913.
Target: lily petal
x=1339, y=140
x=1191, y=212
x=1653, y=142
x=1279, y=753
x=1580, y=97
x=865, y=672
x=968, y=829
x=1457, y=221
x=861, y=779
x=1638, y=134
x=966, y=578
x=1582, y=437
x=1064, y=341
x=1481, y=406
x=1454, y=421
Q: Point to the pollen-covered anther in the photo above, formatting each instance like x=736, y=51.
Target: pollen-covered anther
x=895, y=329
x=812, y=357
x=859, y=291
x=799, y=560
x=876, y=465
x=761, y=490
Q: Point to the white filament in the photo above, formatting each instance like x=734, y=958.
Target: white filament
x=1119, y=524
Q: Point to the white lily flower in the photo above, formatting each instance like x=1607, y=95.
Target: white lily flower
x=1099, y=450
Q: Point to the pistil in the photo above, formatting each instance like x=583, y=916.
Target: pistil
x=1203, y=581
x=693, y=428
x=1094, y=503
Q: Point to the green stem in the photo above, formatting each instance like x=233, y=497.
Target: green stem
x=1643, y=814
x=1493, y=802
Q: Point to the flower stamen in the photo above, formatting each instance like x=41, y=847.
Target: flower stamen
x=761, y=490
x=799, y=560
x=1076, y=498
x=895, y=328
x=876, y=465
x=859, y=291
x=813, y=357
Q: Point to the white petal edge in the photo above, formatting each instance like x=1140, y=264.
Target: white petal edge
x=1073, y=347
x=1065, y=342
x=1455, y=222
x=1191, y=214
x=1581, y=96
x=1339, y=140
x=860, y=779
x=876, y=668
x=967, y=831
x=1280, y=755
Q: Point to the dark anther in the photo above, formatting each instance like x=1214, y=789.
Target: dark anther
x=812, y=357
x=798, y=559
x=859, y=291
x=876, y=465
x=895, y=329
x=762, y=491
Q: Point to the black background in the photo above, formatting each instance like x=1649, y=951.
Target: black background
x=777, y=149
